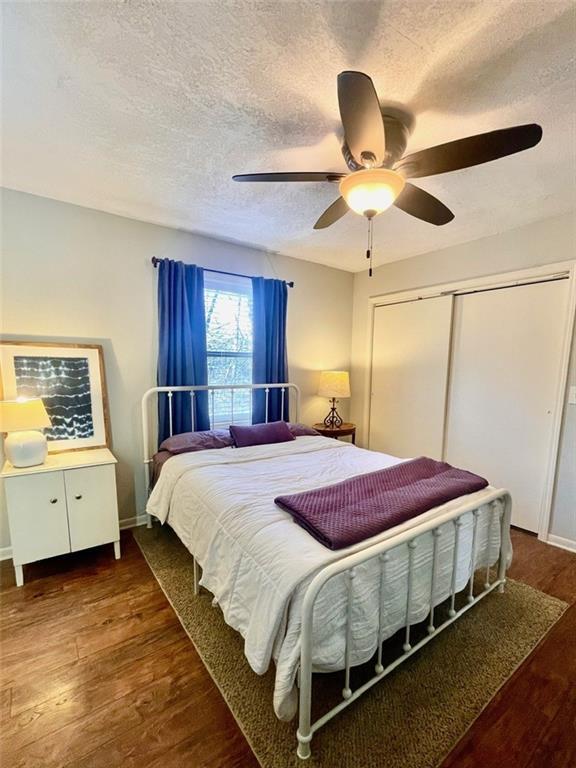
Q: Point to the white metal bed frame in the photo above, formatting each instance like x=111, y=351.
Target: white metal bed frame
x=285, y=388
x=500, y=512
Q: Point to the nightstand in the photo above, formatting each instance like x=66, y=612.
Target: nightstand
x=64, y=505
x=342, y=431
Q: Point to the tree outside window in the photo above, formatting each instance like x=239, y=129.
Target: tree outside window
x=228, y=302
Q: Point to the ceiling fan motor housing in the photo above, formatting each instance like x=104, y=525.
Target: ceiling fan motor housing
x=397, y=134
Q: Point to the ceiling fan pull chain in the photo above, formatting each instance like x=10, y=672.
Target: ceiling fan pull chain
x=369, y=249
x=370, y=243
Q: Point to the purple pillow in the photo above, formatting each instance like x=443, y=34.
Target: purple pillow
x=197, y=441
x=301, y=430
x=261, y=434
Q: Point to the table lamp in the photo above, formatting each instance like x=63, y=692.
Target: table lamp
x=25, y=446
x=334, y=384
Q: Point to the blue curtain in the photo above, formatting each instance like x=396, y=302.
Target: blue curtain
x=270, y=360
x=182, y=345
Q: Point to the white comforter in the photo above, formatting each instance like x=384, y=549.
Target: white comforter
x=257, y=561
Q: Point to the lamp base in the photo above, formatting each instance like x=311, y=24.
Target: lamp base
x=333, y=420
x=26, y=449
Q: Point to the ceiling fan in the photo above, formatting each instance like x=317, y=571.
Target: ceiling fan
x=373, y=149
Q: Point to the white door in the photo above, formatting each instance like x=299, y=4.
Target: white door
x=505, y=370
x=38, y=520
x=92, y=506
x=410, y=357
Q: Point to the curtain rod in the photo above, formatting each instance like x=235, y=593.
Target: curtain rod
x=155, y=262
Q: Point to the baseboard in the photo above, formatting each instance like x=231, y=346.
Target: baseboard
x=559, y=541
x=5, y=553
x=133, y=522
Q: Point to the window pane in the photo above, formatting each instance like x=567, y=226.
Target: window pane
x=228, y=408
x=228, y=301
x=229, y=370
x=228, y=320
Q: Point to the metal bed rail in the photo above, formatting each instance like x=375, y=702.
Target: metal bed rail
x=499, y=507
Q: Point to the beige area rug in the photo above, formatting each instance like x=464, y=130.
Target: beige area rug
x=411, y=719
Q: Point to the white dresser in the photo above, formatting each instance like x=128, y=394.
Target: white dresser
x=64, y=505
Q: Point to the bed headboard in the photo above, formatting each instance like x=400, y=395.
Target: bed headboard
x=235, y=393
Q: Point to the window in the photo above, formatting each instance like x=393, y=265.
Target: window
x=228, y=301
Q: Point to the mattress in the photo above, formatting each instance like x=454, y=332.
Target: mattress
x=257, y=561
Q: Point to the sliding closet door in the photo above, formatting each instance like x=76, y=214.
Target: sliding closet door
x=506, y=363
x=411, y=347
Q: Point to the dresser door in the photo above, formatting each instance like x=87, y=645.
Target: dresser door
x=92, y=506
x=38, y=521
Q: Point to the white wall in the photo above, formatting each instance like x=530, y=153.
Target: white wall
x=71, y=273
x=543, y=242
x=75, y=274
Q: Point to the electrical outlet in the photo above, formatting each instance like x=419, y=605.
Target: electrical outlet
x=572, y=395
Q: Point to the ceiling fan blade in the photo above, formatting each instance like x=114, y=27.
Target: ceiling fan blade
x=423, y=205
x=297, y=176
x=361, y=118
x=471, y=151
x=334, y=212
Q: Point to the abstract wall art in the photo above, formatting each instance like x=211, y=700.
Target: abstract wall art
x=71, y=382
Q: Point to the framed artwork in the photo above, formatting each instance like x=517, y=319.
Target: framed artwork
x=71, y=381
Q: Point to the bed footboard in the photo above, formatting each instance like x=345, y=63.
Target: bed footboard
x=500, y=510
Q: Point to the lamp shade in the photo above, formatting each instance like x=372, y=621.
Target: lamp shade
x=334, y=384
x=20, y=415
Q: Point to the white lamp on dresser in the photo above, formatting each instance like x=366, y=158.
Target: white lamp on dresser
x=66, y=504
x=21, y=419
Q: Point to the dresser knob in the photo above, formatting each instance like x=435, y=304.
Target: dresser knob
x=53, y=501
x=78, y=496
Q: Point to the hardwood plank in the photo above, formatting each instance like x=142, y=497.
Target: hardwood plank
x=85, y=734
x=144, y=615
x=147, y=743
x=227, y=748
x=48, y=654
x=547, y=568
x=5, y=704
x=83, y=633
x=558, y=747
x=114, y=608
x=78, y=701
x=31, y=690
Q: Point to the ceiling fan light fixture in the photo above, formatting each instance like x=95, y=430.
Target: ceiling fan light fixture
x=371, y=191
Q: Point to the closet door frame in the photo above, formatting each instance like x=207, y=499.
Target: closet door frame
x=558, y=270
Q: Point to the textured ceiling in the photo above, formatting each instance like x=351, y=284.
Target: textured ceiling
x=147, y=109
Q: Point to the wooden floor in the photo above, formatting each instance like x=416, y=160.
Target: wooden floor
x=97, y=671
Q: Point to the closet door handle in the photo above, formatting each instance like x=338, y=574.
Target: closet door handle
x=53, y=501
x=78, y=496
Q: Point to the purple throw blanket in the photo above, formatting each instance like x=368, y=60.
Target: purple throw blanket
x=348, y=512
